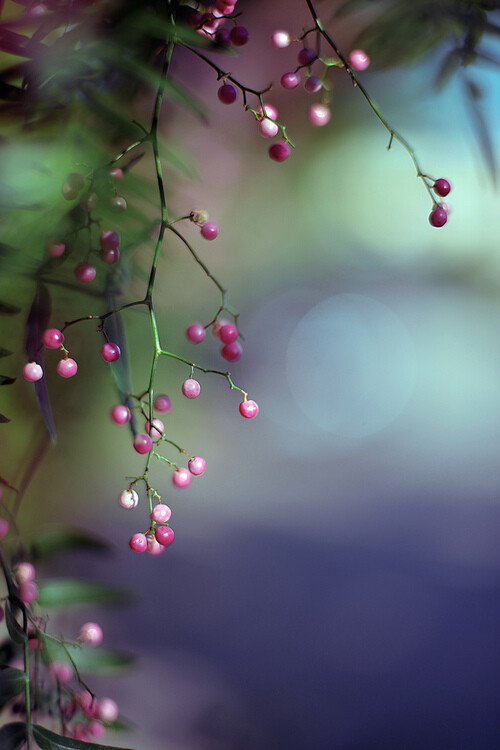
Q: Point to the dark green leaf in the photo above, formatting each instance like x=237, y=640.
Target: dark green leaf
x=38, y=321
x=352, y=6
x=48, y=740
x=5, y=352
x=15, y=630
x=4, y=419
x=64, y=592
x=12, y=682
x=13, y=736
x=6, y=309
x=474, y=93
x=57, y=540
x=5, y=380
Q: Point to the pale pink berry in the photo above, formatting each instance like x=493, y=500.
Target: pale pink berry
x=120, y=414
x=161, y=513
x=290, y=80
x=110, y=352
x=181, y=478
x=191, y=388
x=62, y=671
x=319, y=114
x=279, y=151
x=142, y=443
x=163, y=404
x=25, y=572
x=209, y=231
x=164, y=535
x=358, y=59
x=225, y=7
x=157, y=430
x=128, y=499
x=28, y=592
x=271, y=112
x=107, y=710
x=154, y=547
x=228, y=333
x=55, y=249
x=116, y=173
x=248, y=409
x=66, y=368
x=280, y=39
x=138, y=543
x=268, y=128
x=91, y=633
x=96, y=729
x=109, y=241
x=118, y=204
x=52, y=338
x=4, y=528
x=197, y=465
x=32, y=372
x=196, y=333
x=231, y=352
x=87, y=703
x=85, y=273
x=80, y=732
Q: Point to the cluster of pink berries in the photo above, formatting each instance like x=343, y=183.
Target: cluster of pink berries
x=439, y=214
x=209, y=19
x=223, y=330
x=25, y=576
x=75, y=182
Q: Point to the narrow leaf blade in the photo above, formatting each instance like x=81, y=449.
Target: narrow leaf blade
x=12, y=682
x=65, y=592
x=13, y=736
x=47, y=740
x=15, y=630
x=58, y=540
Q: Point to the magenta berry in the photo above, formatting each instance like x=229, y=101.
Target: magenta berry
x=290, y=80
x=313, y=84
x=32, y=372
x=96, y=729
x=164, y=535
x=138, y=543
x=142, y=443
x=110, y=352
x=85, y=273
x=442, y=187
x=107, y=709
x=28, y=592
x=279, y=151
x=209, y=230
x=118, y=204
x=280, y=39
x=120, y=414
x=231, y=352
x=191, y=388
x=55, y=249
x=196, y=333
x=109, y=241
x=116, y=174
x=163, y=404
x=239, y=35
x=438, y=217
x=197, y=465
x=161, y=513
x=248, y=409
x=128, y=499
x=227, y=94
x=306, y=56
x=218, y=325
x=25, y=572
x=80, y=732
x=4, y=528
x=181, y=478
x=110, y=256
x=157, y=430
x=223, y=38
x=91, y=633
x=358, y=59
x=228, y=333
x=319, y=114
x=62, y=671
x=223, y=5
x=52, y=338
x=66, y=368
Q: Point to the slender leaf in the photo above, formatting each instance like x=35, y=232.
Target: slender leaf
x=5, y=352
x=13, y=736
x=38, y=321
x=47, y=740
x=87, y=659
x=474, y=93
x=4, y=419
x=6, y=309
x=5, y=380
x=58, y=540
x=15, y=630
x=12, y=682
x=65, y=592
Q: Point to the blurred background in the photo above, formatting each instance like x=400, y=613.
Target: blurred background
x=334, y=580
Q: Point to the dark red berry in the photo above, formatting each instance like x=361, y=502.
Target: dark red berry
x=306, y=56
x=239, y=36
x=442, y=187
x=227, y=93
x=279, y=151
x=438, y=217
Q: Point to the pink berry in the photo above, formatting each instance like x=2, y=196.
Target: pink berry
x=116, y=173
x=306, y=56
x=197, y=465
x=209, y=230
x=138, y=543
x=110, y=256
x=120, y=414
x=55, y=249
x=66, y=368
x=231, y=352
x=442, y=187
x=313, y=84
x=4, y=528
x=96, y=729
x=154, y=546
x=52, y=338
x=85, y=273
x=109, y=241
x=118, y=204
x=195, y=19
x=128, y=499
x=32, y=372
x=280, y=39
x=91, y=633
x=438, y=217
x=25, y=572
x=268, y=128
x=87, y=703
x=161, y=513
x=191, y=388
x=228, y=333
x=80, y=732
x=158, y=429
x=227, y=93
x=28, y=592
x=358, y=59
x=223, y=5
x=319, y=114
x=163, y=404
x=110, y=352
x=290, y=80
x=239, y=35
x=270, y=112
x=164, y=535
x=181, y=478
x=279, y=151
x=142, y=444
x=196, y=333
x=107, y=709
x=62, y=671
x=248, y=409
x=218, y=325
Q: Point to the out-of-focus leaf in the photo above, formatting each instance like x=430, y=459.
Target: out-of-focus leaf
x=65, y=592
x=38, y=321
x=6, y=309
x=102, y=104
x=12, y=682
x=13, y=736
x=473, y=93
x=352, y=6
x=48, y=740
x=5, y=352
x=15, y=630
x=88, y=660
x=448, y=67
x=5, y=380
x=3, y=418
x=59, y=540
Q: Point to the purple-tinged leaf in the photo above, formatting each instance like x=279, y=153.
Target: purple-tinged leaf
x=3, y=418
x=6, y=309
x=13, y=736
x=6, y=380
x=38, y=321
